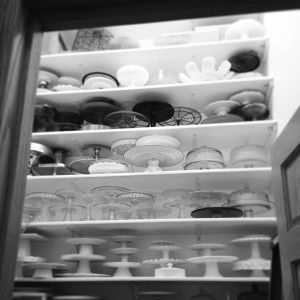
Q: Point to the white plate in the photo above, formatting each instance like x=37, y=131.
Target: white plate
x=213, y=258
x=78, y=257
x=85, y=241
x=85, y=275
x=99, y=82
x=220, y=108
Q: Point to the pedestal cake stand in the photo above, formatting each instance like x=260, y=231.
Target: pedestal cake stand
x=123, y=266
x=84, y=257
x=256, y=264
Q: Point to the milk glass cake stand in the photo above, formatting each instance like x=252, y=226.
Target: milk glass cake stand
x=256, y=264
x=207, y=199
x=123, y=266
x=83, y=257
x=211, y=261
x=24, y=251
x=136, y=200
x=44, y=270
x=153, y=157
x=179, y=198
x=44, y=200
x=166, y=247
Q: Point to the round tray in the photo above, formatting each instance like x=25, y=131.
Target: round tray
x=260, y=238
x=220, y=108
x=120, y=147
x=122, y=264
x=126, y=119
x=208, y=198
x=204, y=164
x=247, y=97
x=78, y=257
x=162, y=261
x=164, y=248
x=108, y=166
x=45, y=265
x=32, y=237
x=213, y=258
x=140, y=156
x=199, y=247
x=252, y=264
x=124, y=251
x=155, y=111
x=85, y=241
x=221, y=212
x=108, y=192
x=228, y=118
x=81, y=275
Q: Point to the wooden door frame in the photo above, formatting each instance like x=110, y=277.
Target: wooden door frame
x=21, y=25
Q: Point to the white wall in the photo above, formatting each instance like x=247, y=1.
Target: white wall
x=283, y=29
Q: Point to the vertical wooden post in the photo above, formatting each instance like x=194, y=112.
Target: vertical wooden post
x=19, y=59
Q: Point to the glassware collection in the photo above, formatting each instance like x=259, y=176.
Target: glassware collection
x=118, y=203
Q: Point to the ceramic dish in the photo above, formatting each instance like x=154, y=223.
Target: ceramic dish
x=220, y=108
x=122, y=146
x=99, y=80
x=107, y=166
x=249, y=96
x=249, y=156
x=158, y=140
x=245, y=61
x=132, y=75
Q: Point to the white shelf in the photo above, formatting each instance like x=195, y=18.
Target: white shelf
x=264, y=225
x=145, y=279
x=193, y=95
x=215, y=179
x=221, y=136
x=166, y=57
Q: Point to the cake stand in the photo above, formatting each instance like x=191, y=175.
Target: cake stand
x=217, y=212
x=69, y=210
x=24, y=251
x=219, y=112
x=120, y=147
x=211, y=263
x=37, y=152
x=108, y=193
x=208, y=199
x=84, y=256
x=182, y=116
x=123, y=266
x=43, y=270
x=136, y=200
x=153, y=157
x=179, y=198
x=156, y=111
x=256, y=264
x=44, y=200
x=206, y=249
x=166, y=247
x=126, y=119
x=110, y=210
x=153, y=212
x=90, y=154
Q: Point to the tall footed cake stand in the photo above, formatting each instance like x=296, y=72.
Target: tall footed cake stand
x=24, y=252
x=84, y=257
x=153, y=157
x=166, y=262
x=123, y=267
x=256, y=264
x=211, y=261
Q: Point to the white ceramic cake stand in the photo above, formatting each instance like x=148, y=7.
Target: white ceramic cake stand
x=24, y=251
x=166, y=247
x=108, y=193
x=153, y=157
x=206, y=249
x=84, y=256
x=211, y=264
x=44, y=200
x=45, y=270
x=256, y=264
x=123, y=266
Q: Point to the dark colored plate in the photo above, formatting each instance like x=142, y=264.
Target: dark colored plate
x=245, y=61
x=217, y=212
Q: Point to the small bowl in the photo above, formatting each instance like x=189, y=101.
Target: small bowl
x=99, y=80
